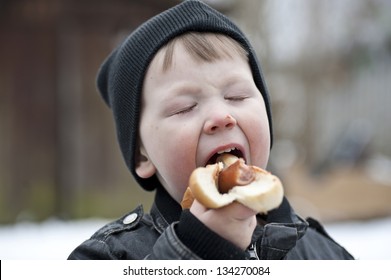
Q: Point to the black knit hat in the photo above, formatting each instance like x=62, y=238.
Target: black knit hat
x=120, y=78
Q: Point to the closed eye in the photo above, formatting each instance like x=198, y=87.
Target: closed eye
x=185, y=110
x=237, y=98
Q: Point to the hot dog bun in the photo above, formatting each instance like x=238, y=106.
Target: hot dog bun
x=262, y=192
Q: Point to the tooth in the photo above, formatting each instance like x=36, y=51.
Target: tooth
x=225, y=151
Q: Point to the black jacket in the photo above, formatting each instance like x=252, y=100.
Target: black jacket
x=169, y=233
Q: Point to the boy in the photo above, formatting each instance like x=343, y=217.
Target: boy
x=183, y=87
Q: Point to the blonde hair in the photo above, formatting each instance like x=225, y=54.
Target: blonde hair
x=203, y=47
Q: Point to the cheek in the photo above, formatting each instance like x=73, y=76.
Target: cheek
x=178, y=142
x=180, y=150
x=172, y=151
x=257, y=132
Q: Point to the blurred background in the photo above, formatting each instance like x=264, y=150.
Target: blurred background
x=327, y=65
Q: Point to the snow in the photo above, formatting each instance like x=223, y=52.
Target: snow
x=364, y=240
x=54, y=239
x=50, y=240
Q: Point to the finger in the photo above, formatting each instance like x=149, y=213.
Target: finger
x=197, y=208
x=238, y=211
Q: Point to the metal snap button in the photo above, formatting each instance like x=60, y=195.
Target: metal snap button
x=130, y=218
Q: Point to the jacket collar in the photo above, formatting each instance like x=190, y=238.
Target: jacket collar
x=165, y=210
x=281, y=232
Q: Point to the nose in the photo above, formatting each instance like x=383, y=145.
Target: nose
x=216, y=123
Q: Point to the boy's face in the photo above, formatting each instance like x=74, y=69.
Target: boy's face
x=194, y=110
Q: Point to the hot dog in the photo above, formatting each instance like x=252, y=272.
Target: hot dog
x=229, y=180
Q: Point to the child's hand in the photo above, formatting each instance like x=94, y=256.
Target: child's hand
x=235, y=222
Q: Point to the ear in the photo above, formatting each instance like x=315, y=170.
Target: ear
x=144, y=167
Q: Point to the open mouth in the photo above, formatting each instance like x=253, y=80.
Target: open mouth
x=233, y=151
